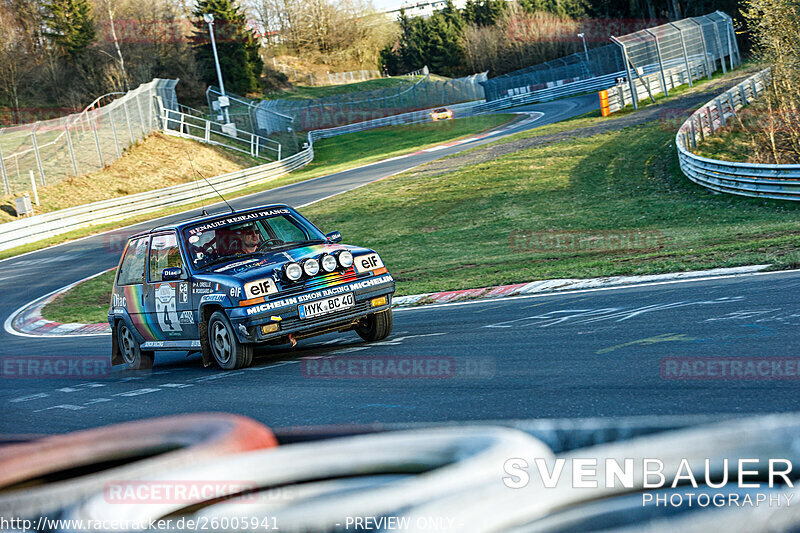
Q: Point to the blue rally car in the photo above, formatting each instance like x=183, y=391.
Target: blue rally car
x=223, y=284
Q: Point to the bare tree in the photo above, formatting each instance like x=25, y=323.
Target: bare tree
x=338, y=33
x=775, y=27
x=14, y=57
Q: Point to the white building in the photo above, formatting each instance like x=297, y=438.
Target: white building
x=423, y=8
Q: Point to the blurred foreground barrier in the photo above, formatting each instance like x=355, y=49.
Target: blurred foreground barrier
x=42, y=477
x=454, y=478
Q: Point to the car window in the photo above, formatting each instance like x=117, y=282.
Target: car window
x=285, y=230
x=131, y=270
x=219, y=240
x=164, y=253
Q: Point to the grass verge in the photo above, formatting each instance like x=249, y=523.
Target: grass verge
x=86, y=304
x=500, y=221
x=331, y=155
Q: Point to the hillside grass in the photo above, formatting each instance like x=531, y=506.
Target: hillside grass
x=155, y=162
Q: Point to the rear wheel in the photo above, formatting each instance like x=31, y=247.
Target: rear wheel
x=133, y=356
x=375, y=327
x=228, y=352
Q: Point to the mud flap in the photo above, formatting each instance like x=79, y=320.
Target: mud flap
x=205, y=349
x=116, y=354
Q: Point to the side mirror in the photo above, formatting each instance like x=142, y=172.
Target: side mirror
x=171, y=274
x=334, y=237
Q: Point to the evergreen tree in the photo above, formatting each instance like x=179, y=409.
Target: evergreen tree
x=561, y=8
x=435, y=41
x=70, y=25
x=442, y=51
x=483, y=12
x=237, y=46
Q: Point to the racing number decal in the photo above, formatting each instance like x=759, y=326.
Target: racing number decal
x=165, y=308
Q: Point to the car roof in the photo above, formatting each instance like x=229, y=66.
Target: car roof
x=204, y=218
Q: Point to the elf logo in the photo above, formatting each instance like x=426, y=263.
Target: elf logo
x=261, y=287
x=365, y=263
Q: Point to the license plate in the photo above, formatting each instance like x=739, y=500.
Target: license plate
x=328, y=305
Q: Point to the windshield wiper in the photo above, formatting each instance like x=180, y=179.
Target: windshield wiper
x=228, y=259
x=295, y=243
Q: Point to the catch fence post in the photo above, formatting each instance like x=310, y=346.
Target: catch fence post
x=3, y=169
x=36, y=153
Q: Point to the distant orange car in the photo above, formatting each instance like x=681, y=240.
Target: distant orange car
x=441, y=114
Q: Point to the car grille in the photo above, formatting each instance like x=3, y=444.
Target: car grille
x=321, y=282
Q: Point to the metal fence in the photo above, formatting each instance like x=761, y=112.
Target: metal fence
x=338, y=110
x=689, y=44
x=338, y=78
x=85, y=142
x=596, y=62
x=193, y=126
x=248, y=116
x=706, y=40
x=780, y=182
x=648, y=86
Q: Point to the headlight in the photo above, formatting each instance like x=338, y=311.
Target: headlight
x=345, y=259
x=311, y=267
x=292, y=271
x=328, y=263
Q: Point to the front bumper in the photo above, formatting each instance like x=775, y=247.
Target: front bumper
x=247, y=322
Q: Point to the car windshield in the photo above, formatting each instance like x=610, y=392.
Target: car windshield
x=226, y=239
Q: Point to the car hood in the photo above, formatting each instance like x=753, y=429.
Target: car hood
x=257, y=267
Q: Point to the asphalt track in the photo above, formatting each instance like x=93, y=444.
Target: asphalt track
x=581, y=354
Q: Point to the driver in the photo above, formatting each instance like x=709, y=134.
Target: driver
x=250, y=238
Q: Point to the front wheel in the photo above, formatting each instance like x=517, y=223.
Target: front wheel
x=134, y=357
x=375, y=327
x=228, y=352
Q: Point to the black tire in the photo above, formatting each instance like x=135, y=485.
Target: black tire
x=376, y=327
x=228, y=352
x=135, y=358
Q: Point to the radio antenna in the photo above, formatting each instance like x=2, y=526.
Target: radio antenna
x=189, y=157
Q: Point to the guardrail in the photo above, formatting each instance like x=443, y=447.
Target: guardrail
x=781, y=182
x=47, y=225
